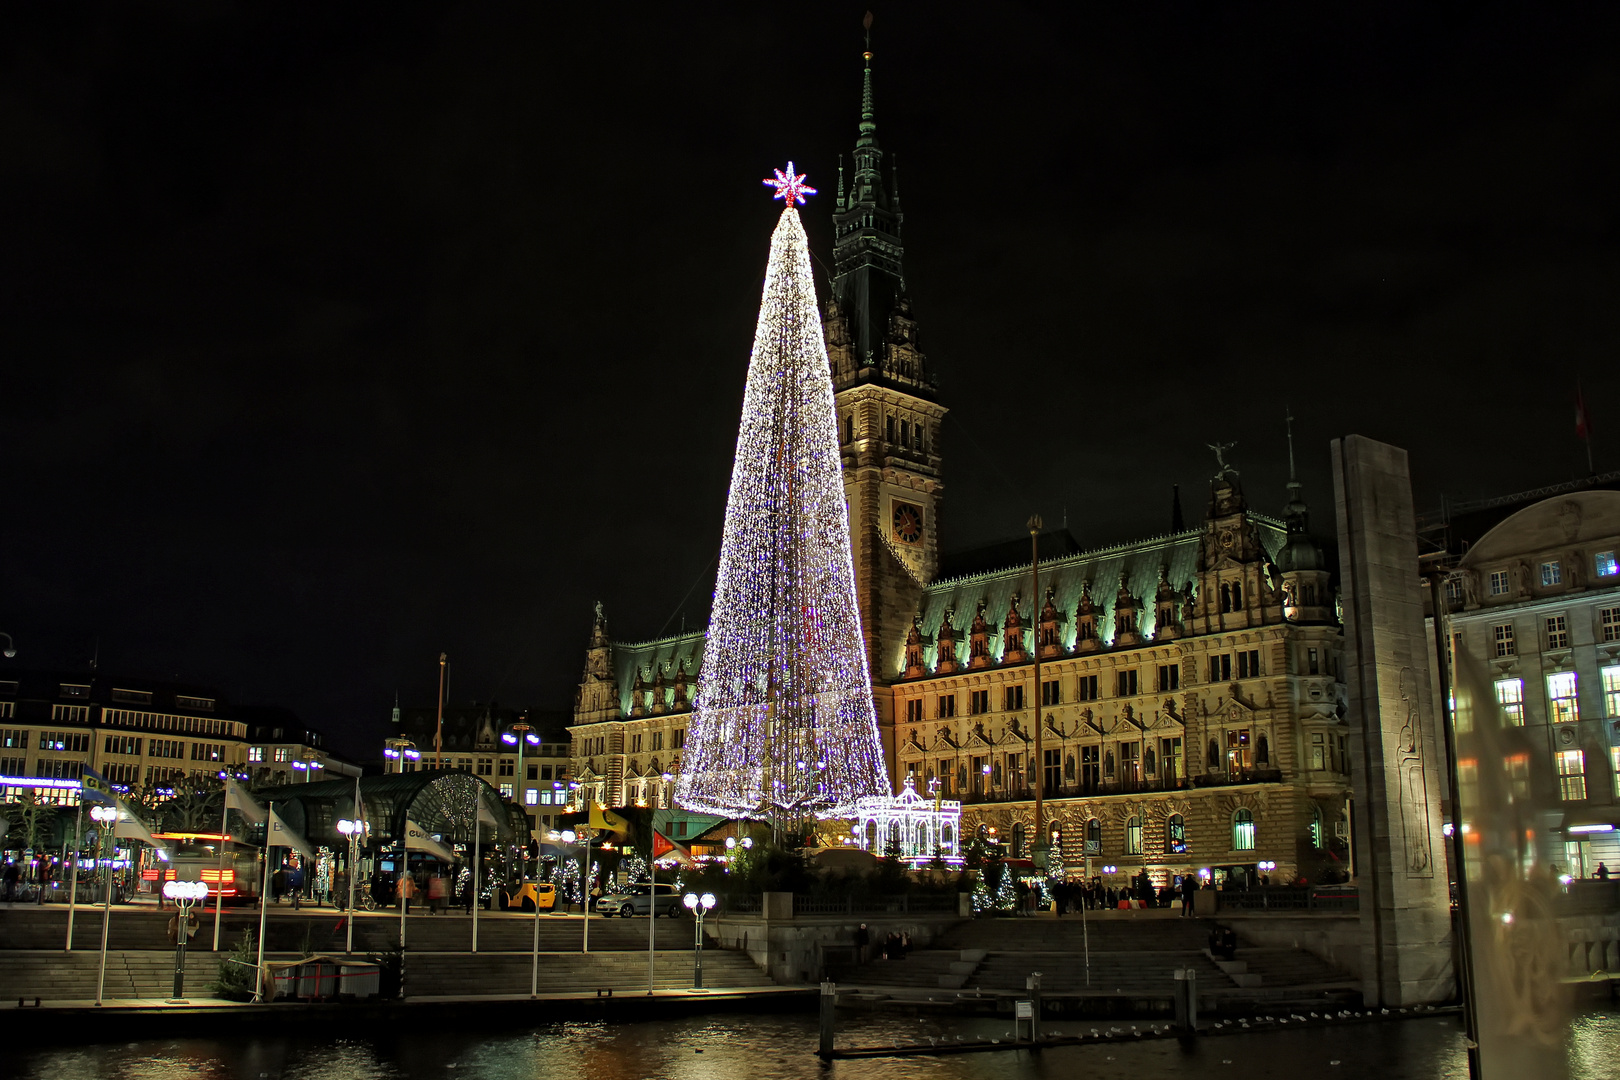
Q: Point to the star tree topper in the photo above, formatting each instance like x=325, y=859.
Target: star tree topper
x=790, y=186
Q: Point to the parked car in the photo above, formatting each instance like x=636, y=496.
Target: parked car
x=639, y=900
x=529, y=896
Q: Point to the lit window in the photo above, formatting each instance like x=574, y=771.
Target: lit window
x=1604, y=564
x=1561, y=695
x=1609, y=623
x=1499, y=582
x=1571, y=775
x=283, y=753
x=1517, y=767
x=531, y=796
x=1510, y=696
x=1552, y=573
x=1557, y=632
x=1614, y=766
x=1133, y=836
x=1611, y=692
x=255, y=753
x=1238, y=751
x=1243, y=831
x=1318, y=751
x=1467, y=785
x=1504, y=639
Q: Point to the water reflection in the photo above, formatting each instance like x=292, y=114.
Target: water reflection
x=749, y=1047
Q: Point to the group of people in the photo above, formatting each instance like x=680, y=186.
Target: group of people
x=1071, y=896
x=894, y=946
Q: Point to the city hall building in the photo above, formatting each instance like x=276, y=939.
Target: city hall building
x=1191, y=702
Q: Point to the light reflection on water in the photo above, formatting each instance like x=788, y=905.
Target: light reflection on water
x=750, y=1047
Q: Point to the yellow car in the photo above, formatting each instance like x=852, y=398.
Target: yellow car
x=529, y=896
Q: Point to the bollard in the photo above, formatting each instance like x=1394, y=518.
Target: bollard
x=1034, y=986
x=829, y=1002
x=1181, y=999
x=1192, y=1001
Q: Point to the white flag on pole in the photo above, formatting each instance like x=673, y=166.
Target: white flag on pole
x=486, y=816
x=280, y=834
x=236, y=799
x=417, y=839
x=132, y=828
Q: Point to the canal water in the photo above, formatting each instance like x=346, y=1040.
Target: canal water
x=777, y=1047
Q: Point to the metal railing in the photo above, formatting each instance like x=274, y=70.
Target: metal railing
x=1288, y=898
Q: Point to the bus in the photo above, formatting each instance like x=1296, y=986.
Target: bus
x=196, y=857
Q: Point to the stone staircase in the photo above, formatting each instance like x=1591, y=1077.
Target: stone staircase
x=71, y=976
x=443, y=975
x=1131, y=956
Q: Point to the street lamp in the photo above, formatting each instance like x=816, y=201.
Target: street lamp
x=398, y=751
x=307, y=765
x=184, y=894
x=520, y=735
x=699, y=906
x=106, y=818
x=354, y=830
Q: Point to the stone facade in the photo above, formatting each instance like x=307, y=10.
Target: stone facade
x=1192, y=720
x=1401, y=864
x=1533, y=613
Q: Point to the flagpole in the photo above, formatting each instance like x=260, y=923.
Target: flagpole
x=652, y=917
x=478, y=830
x=73, y=879
x=400, y=877
x=264, y=897
x=586, y=946
x=106, y=903
x=219, y=883
x=359, y=825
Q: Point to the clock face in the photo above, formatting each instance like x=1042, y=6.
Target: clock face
x=908, y=524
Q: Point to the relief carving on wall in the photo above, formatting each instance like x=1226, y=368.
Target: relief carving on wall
x=1412, y=774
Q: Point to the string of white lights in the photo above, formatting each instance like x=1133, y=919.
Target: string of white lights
x=783, y=719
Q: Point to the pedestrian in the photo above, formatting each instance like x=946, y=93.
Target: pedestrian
x=295, y=885
x=863, y=944
x=1189, y=889
x=436, y=894
x=905, y=944
x=340, y=890
x=278, y=884
x=12, y=874
x=407, y=891
x=1601, y=873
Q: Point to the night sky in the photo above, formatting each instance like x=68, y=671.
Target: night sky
x=339, y=335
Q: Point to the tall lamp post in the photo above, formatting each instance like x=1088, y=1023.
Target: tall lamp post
x=699, y=906
x=398, y=751
x=184, y=894
x=1040, y=852
x=106, y=818
x=309, y=764
x=354, y=830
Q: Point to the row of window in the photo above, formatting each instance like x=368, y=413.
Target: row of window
x=1555, y=632
x=1243, y=835
x=1563, y=698
x=1568, y=765
x=278, y=753
x=902, y=432
x=1552, y=573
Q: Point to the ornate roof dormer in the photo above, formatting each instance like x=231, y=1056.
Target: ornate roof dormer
x=1013, y=649
x=1049, y=634
x=979, y=641
x=1127, y=615
x=945, y=660
x=1086, y=636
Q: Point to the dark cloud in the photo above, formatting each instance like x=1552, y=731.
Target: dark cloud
x=335, y=339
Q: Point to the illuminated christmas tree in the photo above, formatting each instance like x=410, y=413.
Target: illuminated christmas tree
x=782, y=723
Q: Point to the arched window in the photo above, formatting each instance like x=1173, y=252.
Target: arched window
x=1133, y=836
x=1310, y=596
x=1237, y=597
x=1093, y=837
x=1175, y=835
x=1226, y=597
x=1213, y=762
x=1018, y=841
x=1068, y=769
x=1316, y=826
x=1263, y=752
x=1150, y=763
x=1243, y=831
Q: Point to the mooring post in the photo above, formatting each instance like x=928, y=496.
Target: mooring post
x=829, y=1002
x=1035, y=1008
x=1192, y=1001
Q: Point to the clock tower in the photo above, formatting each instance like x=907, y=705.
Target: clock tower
x=889, y=417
